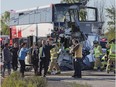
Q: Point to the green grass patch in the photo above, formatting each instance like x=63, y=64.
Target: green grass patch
x=15, y=80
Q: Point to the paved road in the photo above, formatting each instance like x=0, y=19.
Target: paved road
x=95, y=79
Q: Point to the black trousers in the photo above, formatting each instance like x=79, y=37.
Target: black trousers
x=44, y=63
x=22, y=68
x=77, y=67
x=35, y=66
x=14, y=63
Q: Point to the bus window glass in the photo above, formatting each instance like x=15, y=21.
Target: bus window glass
x=87, y=14
x=59, y=13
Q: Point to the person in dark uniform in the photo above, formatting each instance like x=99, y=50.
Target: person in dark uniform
x=77, y=49
x=14, y=50
x=35, y=58
x=44, y=54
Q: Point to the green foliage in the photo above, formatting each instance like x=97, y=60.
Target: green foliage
x=73, y=1
x=112, y=18
x=80, y=85
x=69, y=1
x=4, y=21
x=110, y=34
x=82, y=15
x=15, y=80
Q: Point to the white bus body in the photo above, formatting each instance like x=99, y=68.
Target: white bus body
x=30, y=30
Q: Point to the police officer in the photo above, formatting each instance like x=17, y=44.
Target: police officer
x=98, y=55
x=111, y=58
x=77, y=49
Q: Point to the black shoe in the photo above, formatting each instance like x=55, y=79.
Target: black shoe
x=73, y=76
x=76, y=76
x=44, y=75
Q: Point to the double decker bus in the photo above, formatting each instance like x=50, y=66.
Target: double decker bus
x=40, y=21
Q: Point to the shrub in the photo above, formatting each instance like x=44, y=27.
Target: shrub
x=15, y=80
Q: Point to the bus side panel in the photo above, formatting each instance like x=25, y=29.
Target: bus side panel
x=30, y=30
x=44, y=29
x=26, y=30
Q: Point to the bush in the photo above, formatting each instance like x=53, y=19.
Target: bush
x=15, y=80
x=80, y=85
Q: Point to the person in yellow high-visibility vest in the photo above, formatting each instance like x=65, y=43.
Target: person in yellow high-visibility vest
x=112, y=56
x=77, y=50
x=97, y=54
x=103, y=62
x=53, y=62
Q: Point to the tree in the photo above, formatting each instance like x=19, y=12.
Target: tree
x=112, y=18
x=4, y=21
x=75, y=1
x=100, y=5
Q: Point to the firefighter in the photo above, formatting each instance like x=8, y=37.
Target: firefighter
x=111, y=58
x=107, y=49
x=98, y=55
x=53, y=63
x=103, y=62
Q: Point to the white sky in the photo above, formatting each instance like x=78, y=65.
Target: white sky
x=6, y=5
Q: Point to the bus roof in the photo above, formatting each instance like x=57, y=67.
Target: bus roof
x=40, y=7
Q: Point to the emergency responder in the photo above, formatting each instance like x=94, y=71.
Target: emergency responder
x=97, y=55
x=107, y=49
x=112, y=55
x=104, y=62
x=77, y=50
x=53, y=63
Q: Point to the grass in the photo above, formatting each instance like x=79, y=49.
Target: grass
x=15, y=80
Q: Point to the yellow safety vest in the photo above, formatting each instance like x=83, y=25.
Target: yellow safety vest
x=54, y=53
x=112, y=51
x=78, y=52
x=97, y=52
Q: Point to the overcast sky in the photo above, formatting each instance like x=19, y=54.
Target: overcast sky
x=7, y=5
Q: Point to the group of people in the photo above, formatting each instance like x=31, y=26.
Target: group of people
x=43, y=57
x=46, y=56
x=109, y=57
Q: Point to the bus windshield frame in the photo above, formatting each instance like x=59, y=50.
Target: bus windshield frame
x=61, y=11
